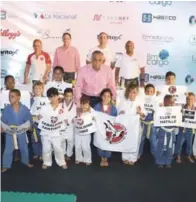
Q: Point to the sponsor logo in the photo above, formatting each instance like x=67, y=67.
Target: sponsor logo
x=114, y=37
x=194, y=57
x=55, y=15
x=80, y=121
x=192, y=39
x=117, y=1
x=192, y=20
x=115, y=133
x=111, y=19
x=153, y=78
x=8, y=52
x=9, y=34
x=46, y=34
x=172, y=89
x=148, y=17
x=3, y=73
x=161, y=3
x=157, y=38
x=5, y=15
x=189, y=79
x=160, y=60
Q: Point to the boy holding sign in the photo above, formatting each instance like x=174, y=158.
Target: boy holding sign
x=165, y=139
x=186, y=134
x=15, y=115
x=149, y=130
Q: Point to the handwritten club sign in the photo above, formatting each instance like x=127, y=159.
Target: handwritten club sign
x=150, y=103
x=168, y=116
x=189, y=118
x=177, y=91
x=4, y=98
x=85, y=125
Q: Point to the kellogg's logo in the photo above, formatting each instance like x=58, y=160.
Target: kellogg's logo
x=9, y=34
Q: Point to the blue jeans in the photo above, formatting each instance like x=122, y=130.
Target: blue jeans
x=105, y=154
x=9, y=148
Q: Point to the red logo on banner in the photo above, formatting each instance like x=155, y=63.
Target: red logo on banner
x=9, y=34
x=97, y=17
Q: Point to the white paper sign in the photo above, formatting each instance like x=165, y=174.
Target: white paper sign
x=177, y=91
x=4, y=98
x=189, y=118
x=168, y=116
x=150, y=103
x=12, y=129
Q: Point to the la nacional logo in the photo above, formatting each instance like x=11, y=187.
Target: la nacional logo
x=161, y=59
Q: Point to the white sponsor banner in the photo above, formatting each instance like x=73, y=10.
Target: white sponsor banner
x=189, y=118
x=168, y=116
x=85, y=125
x=150, y=103
x=4, y=98
x=120, y=134
x=178, y=92
x=13, y=129
x=52, y=124
x=37, y=104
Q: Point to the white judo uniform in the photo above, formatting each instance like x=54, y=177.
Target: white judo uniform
x=68, y=134
x=52, y=140
x=86, y=124
x=130, y=107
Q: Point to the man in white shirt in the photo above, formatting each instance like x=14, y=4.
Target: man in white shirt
x=103, y=47
x=128, y=68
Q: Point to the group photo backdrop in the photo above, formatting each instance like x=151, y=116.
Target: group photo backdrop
x=164, y=33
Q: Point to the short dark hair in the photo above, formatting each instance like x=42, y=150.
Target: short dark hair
x=170, y=74
x=66, y=33
x=8, y=77
x=58, y=68
x=68, y=90
x=52, y=92
x=129, y=88
x=85, y=100
x=149, y=86
x=167, y=97
x=106, y=90
x=97, y=52
x=16, y=91
x=191, y=94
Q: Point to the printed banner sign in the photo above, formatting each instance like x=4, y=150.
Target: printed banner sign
x=120, y=134
x=13, y=129
x=85, y=125
x=189, y=118
x=150, y=103
x=168, y=116
x=178, y=92
x=4, y=98
x=52, y=124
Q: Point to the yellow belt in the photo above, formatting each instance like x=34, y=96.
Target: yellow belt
x=34, y=130
x=149, y=124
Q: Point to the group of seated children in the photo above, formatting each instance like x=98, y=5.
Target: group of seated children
x=165, y=142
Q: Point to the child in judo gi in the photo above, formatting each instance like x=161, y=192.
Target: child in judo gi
x=186, y=134
x=149, y=131
x=52, y=140
x=166, y=137
x=107, y=107
x=132, y=105
x=15, y=114
x=37, y=101
x=70, y=111
x=83, y=137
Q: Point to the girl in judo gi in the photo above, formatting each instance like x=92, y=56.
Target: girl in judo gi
x=52, y=140
x=15, y=114
x=166, y=137
x=149, y=131
x=134, y=106
x=70, y=110
x=83, y=138
x=107, y=107
x=186, y=134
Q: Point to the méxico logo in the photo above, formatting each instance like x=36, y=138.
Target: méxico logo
x=160, y=59
x=115, y=133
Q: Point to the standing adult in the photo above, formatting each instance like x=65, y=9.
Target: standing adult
x=39, y=63
x=109, y=58
x=67, y=57
x=128, y=68
x=93, y=78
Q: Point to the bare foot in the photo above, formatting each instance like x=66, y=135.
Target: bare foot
x=77, y=162
x=126, y=162
x=178, y=160
x=44, y=167
x=190, y=159
x=30, y=165
x=106, y=164
x=88, y=164
x=3, y=170
x=35, y=157
x=168, y=166
x=64, y=167
x=102, y=164
x=131, y=163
